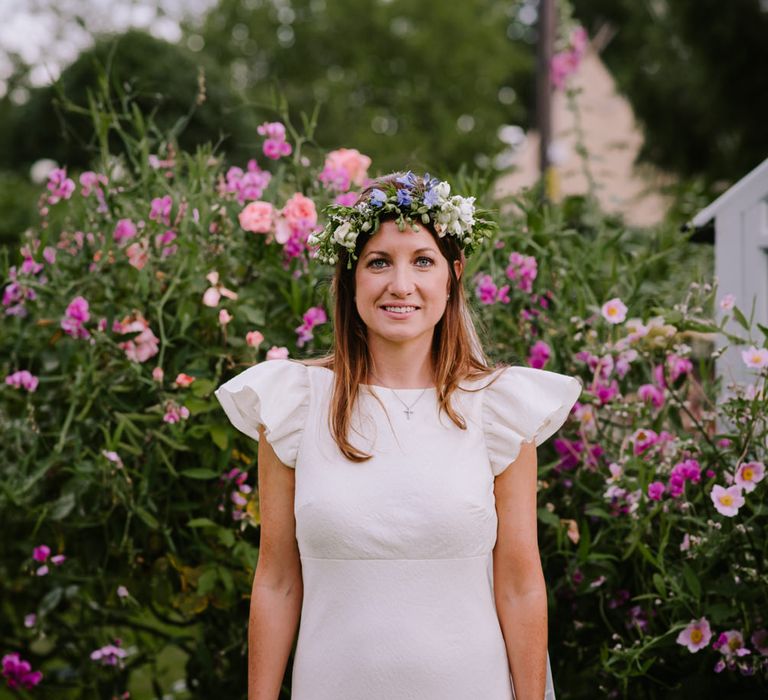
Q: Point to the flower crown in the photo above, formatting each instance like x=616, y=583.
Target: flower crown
x=424, y=199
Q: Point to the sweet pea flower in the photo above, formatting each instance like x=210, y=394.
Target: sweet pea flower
x=113, y=457
x=184, y=380
x=124, y=230
x=30, y=620
x=143, y=346
x=122, y=592
x=254, y=338
x=655, y=490
x=157, y=374
x=727, y=500
x=614, y=311
x=249, y=185
x=343, y=167
x=650, y=393
x=175, y=413
x=22, y=379
x=224, y=317
x=160, y=209
x=696, y=635
x=18, y=673
x=75, y=316
x=214, y=293
x=110, y=655
x=138, y=254
x=275, y=146
x=59, y=185
x=539, y=354
x=522, y=269
x=347, y=199
x=58, y=559
x=755, y=358
x=257, y=217
x=41, y=553
x=678, y=366
x=313, y=317
x=277, y=353
x=749, y=474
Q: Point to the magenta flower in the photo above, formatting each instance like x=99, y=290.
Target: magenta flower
x=347, y=199
x=125, y=229
x=22, y=380
x=18, y=673
x=650, y=393
x=75, y=316
x=655, y=490
x=727, y=500
x=41, y=553
x=523, y=269
x=59, y=185
x=174, y=413
x=539, y=354
x=275, y=146
x=311, y=318
x=696, y=635
x=678, y=366
x=248, y=186
x=486, y=290
x=160, y=210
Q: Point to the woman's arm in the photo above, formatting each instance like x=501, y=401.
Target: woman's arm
x=278, y=590
x=520, y=592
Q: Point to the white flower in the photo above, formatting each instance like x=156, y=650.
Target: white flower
x=443, y=191
x=466, y=209
x=344, y=235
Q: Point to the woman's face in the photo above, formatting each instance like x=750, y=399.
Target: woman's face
x=402, y=269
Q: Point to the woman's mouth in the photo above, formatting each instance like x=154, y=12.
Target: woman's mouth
x=399, y=311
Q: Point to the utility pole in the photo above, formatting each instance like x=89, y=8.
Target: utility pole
x=546, y=44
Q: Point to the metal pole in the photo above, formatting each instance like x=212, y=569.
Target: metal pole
x=546, y=42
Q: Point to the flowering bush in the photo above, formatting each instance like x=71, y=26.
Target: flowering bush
x=131, y=507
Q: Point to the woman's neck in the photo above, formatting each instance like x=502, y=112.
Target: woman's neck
x=401, y=367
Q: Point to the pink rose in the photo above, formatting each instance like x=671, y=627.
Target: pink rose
x=300, y=213
x=351, y=161
x=257, y=217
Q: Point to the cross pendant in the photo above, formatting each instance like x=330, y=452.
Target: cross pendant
x=408, y=413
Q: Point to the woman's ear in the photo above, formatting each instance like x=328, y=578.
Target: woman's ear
x=458, y=268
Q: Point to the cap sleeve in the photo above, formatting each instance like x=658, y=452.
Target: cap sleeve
x=275, y=394
x=525, y=404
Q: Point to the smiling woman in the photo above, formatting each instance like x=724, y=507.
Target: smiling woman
x=393, y=514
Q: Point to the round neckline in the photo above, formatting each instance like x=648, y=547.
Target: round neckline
x=378, y=386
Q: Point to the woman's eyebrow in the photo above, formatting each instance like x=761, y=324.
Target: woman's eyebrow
x=384, y=252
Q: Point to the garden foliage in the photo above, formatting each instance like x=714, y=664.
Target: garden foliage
x=130, y=508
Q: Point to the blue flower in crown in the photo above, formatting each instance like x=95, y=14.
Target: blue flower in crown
x=417, y=200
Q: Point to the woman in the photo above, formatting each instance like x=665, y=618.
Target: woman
x=403, y=531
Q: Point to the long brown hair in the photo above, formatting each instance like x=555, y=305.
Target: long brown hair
x=460, y=358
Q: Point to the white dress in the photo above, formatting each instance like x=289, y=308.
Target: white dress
x=397, y=552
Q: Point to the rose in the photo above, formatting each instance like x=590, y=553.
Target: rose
x=300, y=212
x=257, y=217
x=351, y=161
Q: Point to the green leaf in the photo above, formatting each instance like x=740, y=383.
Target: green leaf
x=658, y=581
x=219, y=435
x=599, y=513
x=548, y=518
x=201, y=522
x=740, y=318
x=50, y=601
x=147, y=517
x=62, y=507
x=199, y=473
x=207, y=581
x=226, y=537
x=692, y=581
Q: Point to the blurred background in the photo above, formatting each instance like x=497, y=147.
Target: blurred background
x=670, y=95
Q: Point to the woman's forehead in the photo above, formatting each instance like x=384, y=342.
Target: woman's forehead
x=389, y=238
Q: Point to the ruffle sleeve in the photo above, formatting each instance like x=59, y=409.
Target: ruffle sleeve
x=275, y=394
x=525, y=404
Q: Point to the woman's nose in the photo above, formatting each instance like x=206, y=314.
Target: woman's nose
x=402, y=280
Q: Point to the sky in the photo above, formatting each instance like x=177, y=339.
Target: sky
x=49, y=34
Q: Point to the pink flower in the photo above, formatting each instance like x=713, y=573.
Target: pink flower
x=22, y=379
x=254, y=338
x=486, y=290
x=41, y=553
x=727, y=302
x=277, y=353
x=696, y=635
x=30, y=620
x=272, y=130
x=731, y=643
x=122, y=592
x=124, y=230
x=157, y=374
x=347, y=199
x=18, y=673
x=224, y=317
x=678, y=366
x=727, y=501
x=59, y=185
x=614, y=311
x=313, y=317
x=110, y=655
x=651, y=393
x=274, y=150
x=759, y=640
x=749, y=474
x=523, y=269
x=343, y=167
x=144, y=345
x=565, y=63
x=257, y=217
x=655, y=490
x=184, y=380
x=247, y=186
x=75, y=316
x=755, y=358
x=539, y=354
x=174, y=412
x=213, y=294
x=300, y=212
x=160, y=209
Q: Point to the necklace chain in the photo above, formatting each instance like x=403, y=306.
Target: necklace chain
x=408, y=409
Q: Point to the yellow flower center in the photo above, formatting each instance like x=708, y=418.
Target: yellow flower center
x=747, y=473
x=726, y=499
x=696, y=635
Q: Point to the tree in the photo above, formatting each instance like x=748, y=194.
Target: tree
x=695, y=75
x=411, y=84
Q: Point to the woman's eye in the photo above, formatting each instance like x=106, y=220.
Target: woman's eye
x=429, y=260
x=376, y=260
x=419, y=260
